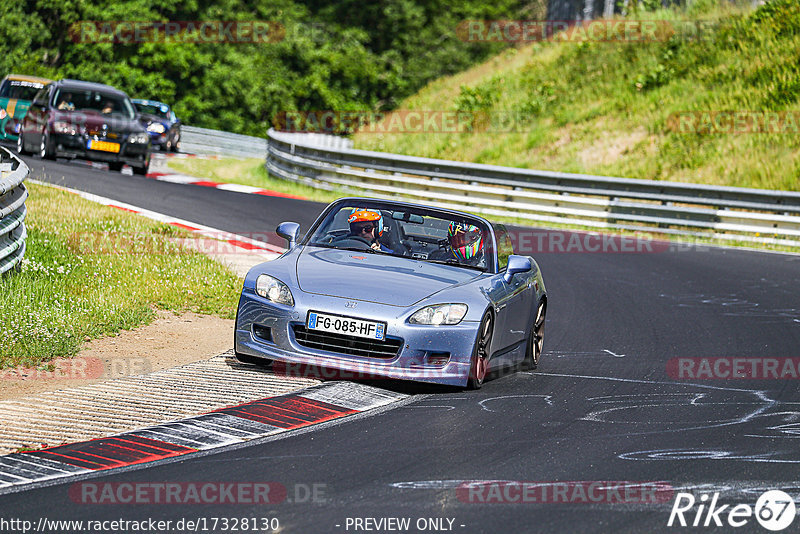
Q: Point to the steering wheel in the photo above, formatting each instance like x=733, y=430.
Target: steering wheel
x=352, y=241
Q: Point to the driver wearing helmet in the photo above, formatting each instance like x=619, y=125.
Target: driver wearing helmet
x=466, y=242
x=367, y=225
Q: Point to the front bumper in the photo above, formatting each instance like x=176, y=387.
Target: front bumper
x=75, y=146
x=158, y=140
x=420, y=344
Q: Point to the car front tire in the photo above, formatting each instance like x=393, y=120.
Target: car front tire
x=45, y=150
x=142, y=171
x=536, y=338
x=20, y=145
x=479, y=366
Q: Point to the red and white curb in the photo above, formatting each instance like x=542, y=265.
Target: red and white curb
x=237, y=188
x=227, y=426
x=232, y=239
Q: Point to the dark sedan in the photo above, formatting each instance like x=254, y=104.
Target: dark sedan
x=77, y=119
x=161, y=123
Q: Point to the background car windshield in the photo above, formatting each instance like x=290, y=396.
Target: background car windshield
x=19, y=89
x=150, y=109
x=409, y=232
x=99, y=102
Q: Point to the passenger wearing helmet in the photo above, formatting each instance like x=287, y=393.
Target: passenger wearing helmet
x=367, y=225
x=466, y=242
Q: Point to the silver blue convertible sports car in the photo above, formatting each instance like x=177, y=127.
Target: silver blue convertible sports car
x=392, y=289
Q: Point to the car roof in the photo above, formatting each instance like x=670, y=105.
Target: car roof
x=26, y=78
x=148, y=102
x=88, y=86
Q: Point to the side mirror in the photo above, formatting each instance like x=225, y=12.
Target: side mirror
x=288, y=231
x=516, y=264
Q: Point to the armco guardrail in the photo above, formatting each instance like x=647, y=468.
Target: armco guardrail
x=203, y=141
x=729, y=213
x=12, y=209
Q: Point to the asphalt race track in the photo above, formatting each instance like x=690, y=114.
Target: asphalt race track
x=606, y=405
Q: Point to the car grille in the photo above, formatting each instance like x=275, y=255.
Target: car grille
x=352, y=346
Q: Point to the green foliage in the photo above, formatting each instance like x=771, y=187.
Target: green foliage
x=343, y=56
x=479, y=98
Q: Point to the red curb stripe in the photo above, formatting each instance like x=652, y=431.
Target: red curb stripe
x=216, y=185
x=140, y=441
x=116, y=451
x=68, y=459
x=250, y=420
x=242, y=244
x=267, y=192
x=121, y=208
x=185, y=226
x=288, y=412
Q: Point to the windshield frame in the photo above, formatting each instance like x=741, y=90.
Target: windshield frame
x=426, y=211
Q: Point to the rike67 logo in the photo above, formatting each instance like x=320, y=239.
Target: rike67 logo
x=774, y=510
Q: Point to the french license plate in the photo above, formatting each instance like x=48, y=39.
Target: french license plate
x=348, y=326
x=105, y=146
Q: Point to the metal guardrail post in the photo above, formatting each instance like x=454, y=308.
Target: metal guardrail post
x=13, y=194
x=683, y=209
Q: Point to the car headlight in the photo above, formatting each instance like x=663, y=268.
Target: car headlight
x=273, y=289
x=138, y=138
x=63, y=127
x=439, y=314
x=3, y=114
x=156, y=127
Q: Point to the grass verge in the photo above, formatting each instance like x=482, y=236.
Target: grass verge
x=90, y=270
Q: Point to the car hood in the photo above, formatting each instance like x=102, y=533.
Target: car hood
x=374, y=277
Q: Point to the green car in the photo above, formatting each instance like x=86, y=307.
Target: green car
x=16, y=93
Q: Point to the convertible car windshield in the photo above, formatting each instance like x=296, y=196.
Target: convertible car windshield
x=407, y=232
